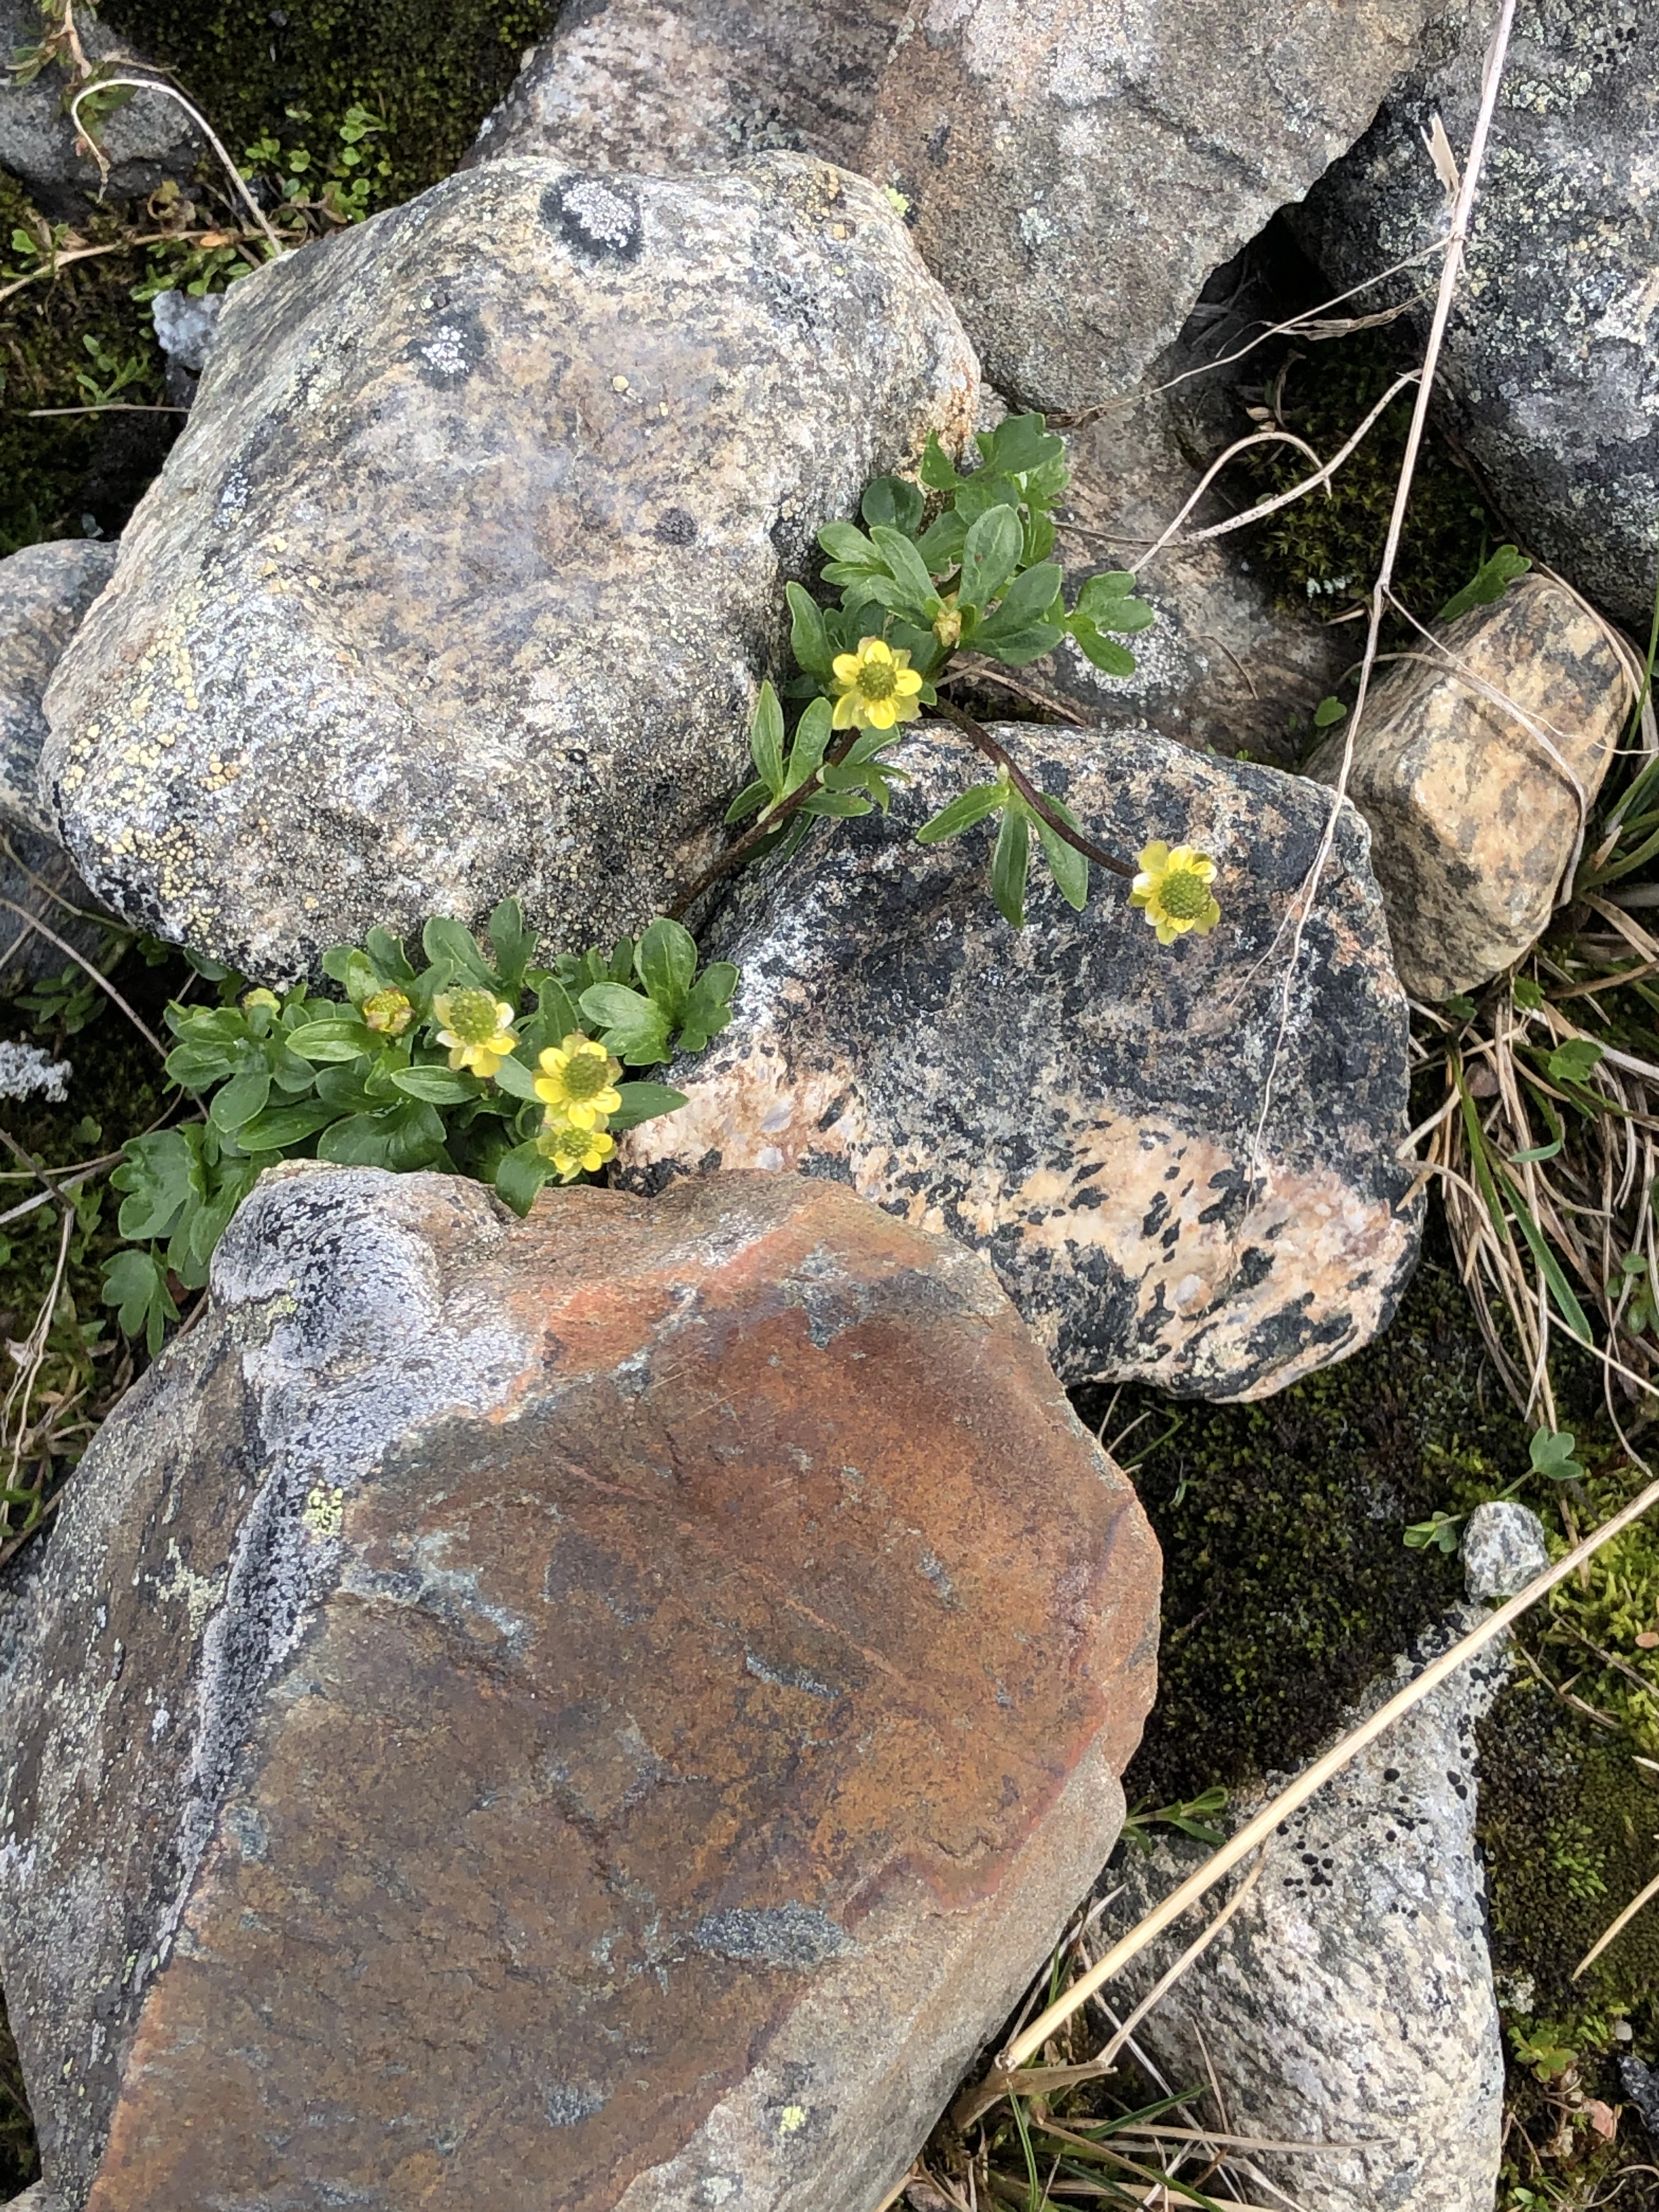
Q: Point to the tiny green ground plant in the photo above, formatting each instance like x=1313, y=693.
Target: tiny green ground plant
x=476, y=1060
x=952, y=564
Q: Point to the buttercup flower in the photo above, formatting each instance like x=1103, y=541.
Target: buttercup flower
x=1173, y=890
x=573, y=1151
x=268, y=999
x=477, y=1027
x=577, y=1082
x=878, y=687
x=389, y=1012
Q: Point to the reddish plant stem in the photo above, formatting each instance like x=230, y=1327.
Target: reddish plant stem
x=1038, y=803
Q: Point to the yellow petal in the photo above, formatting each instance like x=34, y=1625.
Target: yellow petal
x=877, y=649
x=881, y=713
x=1154, y=858
x=847, y=711
x=846, y=666
x=907, y=683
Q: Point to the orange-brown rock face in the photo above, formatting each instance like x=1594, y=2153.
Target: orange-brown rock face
x=602, y=1712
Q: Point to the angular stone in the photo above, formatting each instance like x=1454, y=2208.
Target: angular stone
x=1350, y=2000
x=1074, y=171
x=461, y=578
x=1503, y=1549
x=1085, y=1107
x=1473, y=819
x=608, y=1709
x=44, y=592
x=1551, y=366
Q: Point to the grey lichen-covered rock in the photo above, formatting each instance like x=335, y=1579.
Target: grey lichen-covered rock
x=1474, y=768
x=1088, y=1109
x=605, y=1711
x=684, y=85
x=1350, y=2000
x=1074, y=172
x=460, y=581
x=144, y=142
x=1551, y=362
x=44, y=592
x=1503, y=1549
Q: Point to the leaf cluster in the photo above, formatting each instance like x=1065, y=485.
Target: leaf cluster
x=362, y=1080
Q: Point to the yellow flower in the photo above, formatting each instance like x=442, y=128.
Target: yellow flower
x=389, y=1012
x=947, y=624
x=1173, y=888
x=477, y=1027
x=878, y=687
x=578, y=1083
x=267, y=999
x=573, y=1151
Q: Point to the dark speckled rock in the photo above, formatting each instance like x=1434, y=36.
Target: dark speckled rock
x=1550, y=368
x=601, y=1712
x=1075, y=1100
x=461, y=579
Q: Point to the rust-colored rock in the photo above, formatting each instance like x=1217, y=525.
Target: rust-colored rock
x=602, y=1712
x=1465, y=769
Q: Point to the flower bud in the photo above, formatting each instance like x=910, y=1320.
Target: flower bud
x=389, y=1012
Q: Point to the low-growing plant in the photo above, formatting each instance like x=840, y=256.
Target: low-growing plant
x=480, y=1061
x=925, y=580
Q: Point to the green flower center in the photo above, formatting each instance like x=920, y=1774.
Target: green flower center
x=1185, y=897
x=566, y=1144
x=878, y=679
x=585, y=1075
x=469, y=1015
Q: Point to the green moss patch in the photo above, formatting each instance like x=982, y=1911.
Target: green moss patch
x=1288, y=1586
x=1326, y=552
x=56, y=471
x=431, y=70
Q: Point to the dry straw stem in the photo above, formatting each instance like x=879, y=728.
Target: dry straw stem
x=1256, y=1831
x=1624, y=1919
x=171, y=92
x=35, y=922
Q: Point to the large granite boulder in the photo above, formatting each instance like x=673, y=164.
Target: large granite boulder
x=1550, y=368
x=1465, y=766
x=1074, y=169
x=460, y=581
x=1089, y=1109
x=606, y=1710
x=1350, y=2001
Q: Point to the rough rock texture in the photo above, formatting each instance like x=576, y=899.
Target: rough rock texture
x=1552, y=363
x=146, y=140
x=461, y=578
x=1503, y=1549
x=1075, y=1101
x=44, y=592
x=1473, y=817
x=607, y=1711
x=1350, y=1999
x=1225, y=668
x=26, y=1072
x=1074, y=169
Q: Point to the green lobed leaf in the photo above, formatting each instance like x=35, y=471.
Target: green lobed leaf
x=989, y=557
x=666, y=960
x=937, y=471
x=450, y=943
x=240, y=1100
x=1009, y=864
x=629, y=1024
x=1573, y=1061
x=1026, y=601
x=135, y=1285
x=766, y=741
x=1069, y=867
x=1329, y=713
x=519, y=1176
x=511, y=945
x=1095, y=594
x=1017, y=648
x=709, y=1007
x=439, y=1087
x=1489, y=582
x=157, y=1175
x=809, y=640
x=961, y=812
x=333, y=1040
x=894, y=504
x=644, y=1101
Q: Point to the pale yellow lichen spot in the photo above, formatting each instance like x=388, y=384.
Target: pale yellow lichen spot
x=324, y=1511
x=791, y=2119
